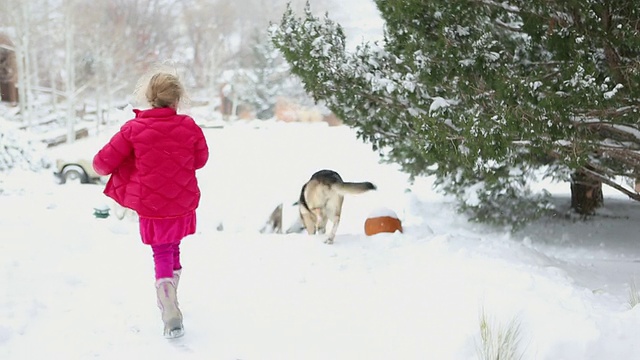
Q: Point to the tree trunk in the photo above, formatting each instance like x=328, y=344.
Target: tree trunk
x=586, y=193
x=22, y=94
x=70, y=80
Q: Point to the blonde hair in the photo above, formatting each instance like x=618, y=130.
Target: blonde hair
x=160, y=87
x=164, y=90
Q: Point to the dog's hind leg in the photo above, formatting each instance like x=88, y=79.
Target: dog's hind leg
x=335, y=222
x=333, y=214
x=321, y=222
x=308, y=222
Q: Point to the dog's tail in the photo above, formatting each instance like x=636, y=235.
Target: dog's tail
x=353, y=187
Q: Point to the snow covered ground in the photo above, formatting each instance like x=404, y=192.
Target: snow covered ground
x=78, y=287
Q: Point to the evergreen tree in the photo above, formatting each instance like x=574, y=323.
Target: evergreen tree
x=487, y=96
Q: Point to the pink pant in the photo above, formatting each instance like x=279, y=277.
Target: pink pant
x=164, y=236
x=166, y=258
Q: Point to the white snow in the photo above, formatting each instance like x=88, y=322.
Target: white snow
x=611, y=93
x=78, y=287
x=438, y=103
x=383, y=212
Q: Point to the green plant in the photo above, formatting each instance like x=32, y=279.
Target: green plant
x=634, y=294
x=497, y=341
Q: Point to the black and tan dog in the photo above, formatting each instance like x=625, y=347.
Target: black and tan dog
x=321, y=201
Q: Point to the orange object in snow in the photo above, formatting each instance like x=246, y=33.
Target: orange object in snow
x=388, y=223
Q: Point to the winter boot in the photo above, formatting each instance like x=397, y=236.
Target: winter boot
x=176, y=277
x=168, y=304
x=176, y=280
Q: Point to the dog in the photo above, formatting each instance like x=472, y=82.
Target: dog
x=281, y=216
x=321, y=200
x=274, y=222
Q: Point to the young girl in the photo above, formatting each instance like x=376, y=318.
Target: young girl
x=153, y=161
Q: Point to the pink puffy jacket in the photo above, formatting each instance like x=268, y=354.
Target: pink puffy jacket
x=153, y=161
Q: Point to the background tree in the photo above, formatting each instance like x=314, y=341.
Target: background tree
x=265, y=78
x=231, y=38
x=17, y=16
x=73, y=61
x=487, y=96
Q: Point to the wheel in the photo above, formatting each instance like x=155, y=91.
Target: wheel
x=74, y=174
